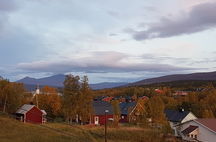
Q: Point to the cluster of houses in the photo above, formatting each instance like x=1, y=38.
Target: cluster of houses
x=184, y=123
x=31, y=113
x=190, y=128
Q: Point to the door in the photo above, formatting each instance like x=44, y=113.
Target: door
x=96, y=118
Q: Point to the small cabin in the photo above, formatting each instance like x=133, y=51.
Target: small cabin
x=31, y=114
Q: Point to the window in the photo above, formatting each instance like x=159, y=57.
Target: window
x=191, y=135
x=195, y=136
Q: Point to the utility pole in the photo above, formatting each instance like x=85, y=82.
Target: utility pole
x=106, y=111
x=5, y=103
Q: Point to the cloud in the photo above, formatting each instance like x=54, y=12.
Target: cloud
x=161, y=58
x=19, y=45
x=201, y=17
x=7, y=5
x=5, y=8
x=98, y=62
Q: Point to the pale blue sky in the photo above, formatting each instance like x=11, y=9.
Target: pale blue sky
x=115, y=40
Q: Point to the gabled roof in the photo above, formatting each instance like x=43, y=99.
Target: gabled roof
x=100, y=107
x=25, y=108
x=207, y=122
x=124, y=106
x=175, y=115
x=189, y=129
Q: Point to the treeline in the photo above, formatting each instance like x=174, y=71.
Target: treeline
x=74, y=104
x=200, y=102
x=183, y=84
x=132, y=91
x=12, y=95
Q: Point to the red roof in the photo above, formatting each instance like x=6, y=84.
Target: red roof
x=189, y=129
x=208, y=122
x=108, y=99
x=158, y=91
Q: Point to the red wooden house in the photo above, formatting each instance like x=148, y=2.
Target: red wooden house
x=31, y=114
x=99, y=116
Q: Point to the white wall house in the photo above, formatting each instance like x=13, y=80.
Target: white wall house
x=203, y=130
x=176, y=117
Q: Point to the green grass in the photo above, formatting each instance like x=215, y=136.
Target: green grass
x=14, y=131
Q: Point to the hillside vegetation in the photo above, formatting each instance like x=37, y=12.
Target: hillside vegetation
x=14, y=131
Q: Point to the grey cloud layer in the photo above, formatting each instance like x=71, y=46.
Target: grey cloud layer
x=98, y=62
x=200, y=18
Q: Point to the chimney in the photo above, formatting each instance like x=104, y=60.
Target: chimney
x=181, y=110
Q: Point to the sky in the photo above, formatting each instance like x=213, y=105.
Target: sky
x=109, y=41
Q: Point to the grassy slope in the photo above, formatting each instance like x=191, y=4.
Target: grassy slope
x=12, y=130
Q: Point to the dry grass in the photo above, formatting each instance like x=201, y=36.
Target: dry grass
x=13, y=131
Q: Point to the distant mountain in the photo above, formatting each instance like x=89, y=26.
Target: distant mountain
x=104, y=85
x=57, y=81
x=178, y=77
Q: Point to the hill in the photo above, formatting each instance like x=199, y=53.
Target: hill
x=57, y=82
x=207, y=76
x=15, y=131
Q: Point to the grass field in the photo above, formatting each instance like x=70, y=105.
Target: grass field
x=14, y=131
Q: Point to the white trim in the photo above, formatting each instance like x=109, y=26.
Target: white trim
x=96, y=120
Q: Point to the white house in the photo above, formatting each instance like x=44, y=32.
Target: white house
x=203, y=130
x=176, y=117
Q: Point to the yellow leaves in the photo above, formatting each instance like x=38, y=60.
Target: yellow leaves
x=49, y=100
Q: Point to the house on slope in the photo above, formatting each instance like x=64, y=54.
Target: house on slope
x=125, y=109
x=137, y=111
x=201, y=130
x=176, y=117
x=99, y=116
x=30, y=113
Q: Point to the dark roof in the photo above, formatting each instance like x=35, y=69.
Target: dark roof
x=175, y=115
x=189, y=129
x=208, y=122
x=124, y=106
x=100, y=107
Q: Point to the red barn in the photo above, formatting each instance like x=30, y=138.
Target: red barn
x=31, y=114
x=99, y=116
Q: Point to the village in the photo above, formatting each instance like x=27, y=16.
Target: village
x=107, y=71
x=121, y=110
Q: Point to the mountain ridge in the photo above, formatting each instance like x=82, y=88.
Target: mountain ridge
x=176, y=77
x=57, y=82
